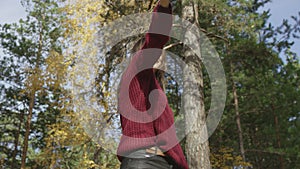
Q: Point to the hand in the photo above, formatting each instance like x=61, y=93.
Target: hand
x=164, y=3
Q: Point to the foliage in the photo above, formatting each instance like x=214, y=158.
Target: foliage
x=40, y=55
x=225, y=158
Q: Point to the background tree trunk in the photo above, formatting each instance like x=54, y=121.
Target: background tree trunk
x=17, y=135
x=34, y=85
x=237, y=114
x=27, y=132
x=197, y=148
x=278, y=140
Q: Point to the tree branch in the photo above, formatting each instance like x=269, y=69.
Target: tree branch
x=208, y=34
x=172, y=45
x=150, y=4
x=265, y=151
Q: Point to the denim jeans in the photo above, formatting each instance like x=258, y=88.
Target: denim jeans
x=153, y=162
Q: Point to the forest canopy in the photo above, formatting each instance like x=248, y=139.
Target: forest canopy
x=59, y=73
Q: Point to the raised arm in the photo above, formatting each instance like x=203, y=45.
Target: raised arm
x=160, y=27
x=156, y=37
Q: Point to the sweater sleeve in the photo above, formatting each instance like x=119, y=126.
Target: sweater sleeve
x=156, y=37
x=160, y=27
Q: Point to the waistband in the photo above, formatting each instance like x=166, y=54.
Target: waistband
x=147, y=152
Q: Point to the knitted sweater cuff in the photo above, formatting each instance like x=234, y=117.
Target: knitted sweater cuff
x=162, y=9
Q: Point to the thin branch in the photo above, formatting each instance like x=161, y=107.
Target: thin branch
x=265, y=151
x=208, y=34
x=150, y=4
x=172, y=45
x=218, y=37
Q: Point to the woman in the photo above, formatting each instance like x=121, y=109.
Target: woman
x=149, y=138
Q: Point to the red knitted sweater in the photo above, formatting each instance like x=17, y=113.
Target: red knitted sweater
x=146, y=118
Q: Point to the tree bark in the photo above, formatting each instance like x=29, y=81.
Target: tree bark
x=27, y=132
x=33, y=88
x=197, y=148
x=278, y=140
x=97, y=152
x=16, y=142
x=237, y=113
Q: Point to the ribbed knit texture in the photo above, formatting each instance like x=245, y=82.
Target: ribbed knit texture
x=148, y=128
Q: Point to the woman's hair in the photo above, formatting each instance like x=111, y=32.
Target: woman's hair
x=138, y=45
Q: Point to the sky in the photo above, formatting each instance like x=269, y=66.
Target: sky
x=12, y=10
x=284, y=9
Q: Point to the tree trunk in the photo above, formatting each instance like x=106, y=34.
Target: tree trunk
x=278, y=140
x=33, y=88
x=16, y=142
x=97, y=153
x=237, y=113
x=197, y=149
x=28, y=124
